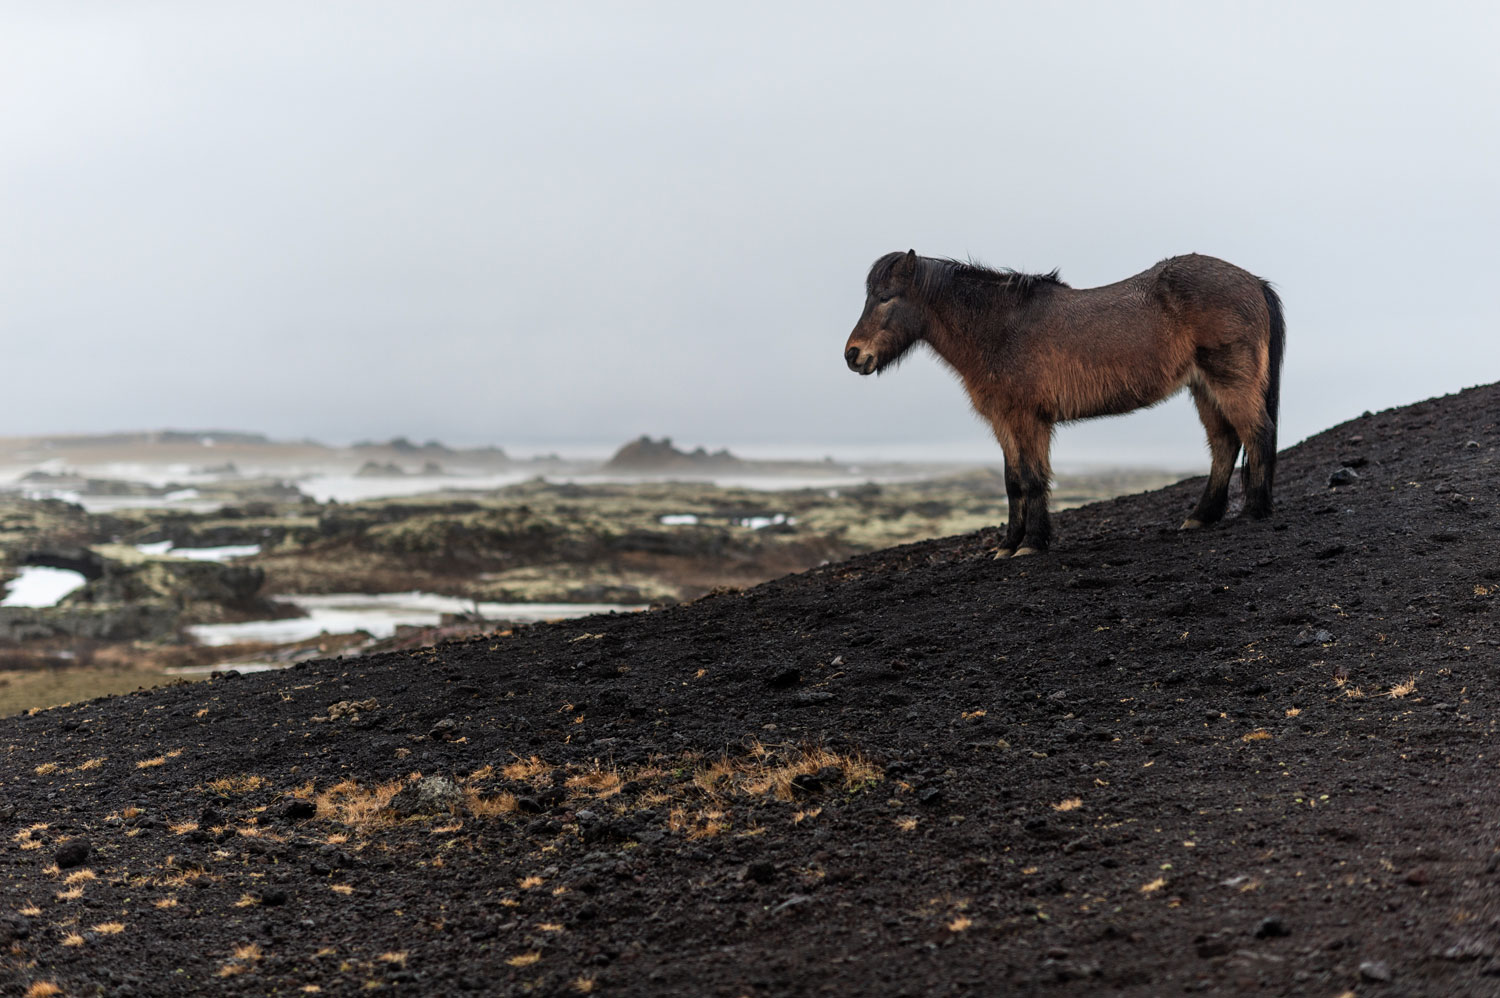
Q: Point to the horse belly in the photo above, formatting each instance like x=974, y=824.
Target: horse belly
x=1110, y=387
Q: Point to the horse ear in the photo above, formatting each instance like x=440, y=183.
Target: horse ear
x=906, y=267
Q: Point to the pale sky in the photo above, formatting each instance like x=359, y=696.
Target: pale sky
x=508, y=222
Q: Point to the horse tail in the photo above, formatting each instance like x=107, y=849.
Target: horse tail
x=1275, y=346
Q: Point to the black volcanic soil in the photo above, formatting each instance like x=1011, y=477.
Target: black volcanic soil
x=1259, y=759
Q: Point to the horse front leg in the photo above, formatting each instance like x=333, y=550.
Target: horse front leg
x=1033, y=472
x=1014, y=526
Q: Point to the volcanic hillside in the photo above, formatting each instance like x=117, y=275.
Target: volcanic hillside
x=1260, y=758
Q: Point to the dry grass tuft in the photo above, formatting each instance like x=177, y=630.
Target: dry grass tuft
x=1154, y=885
x=242, y=783
x=1403, y=689
x=71, y=894
x=109, y=928
x=960, y=923
x=488, y=807
x=1071, y=804
x=907, y=824
x=151, y=763
x=183, y=827
x=527, y=883
x=72, y=939
x=1293, y=711
x=525, y=769
x=361, y=809
x=80, y=876
x=164, y=903
x=398, y=958
x=525, y=959
x=583, y=985
x=46, y=769
x=43, y=989
x=699, y=824
x=596, y=781
x=341, y=889
x=1259, y=735
x=29, y=910
x=249, y=951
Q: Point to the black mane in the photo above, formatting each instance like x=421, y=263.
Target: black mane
x=939, y=277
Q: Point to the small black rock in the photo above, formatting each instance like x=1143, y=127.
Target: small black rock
x=1343, y=476
x=761, y=872
x=299, y=809
x=74, y=852
x=1272, y=927
x=785, y=679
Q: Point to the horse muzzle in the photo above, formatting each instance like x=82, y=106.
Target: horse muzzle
x=860, y=361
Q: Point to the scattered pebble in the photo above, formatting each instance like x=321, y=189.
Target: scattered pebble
x=73, y=852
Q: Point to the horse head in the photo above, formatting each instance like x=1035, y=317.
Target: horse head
x=893, y=318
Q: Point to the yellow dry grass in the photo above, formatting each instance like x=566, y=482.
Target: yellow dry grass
x=481, y=806
x=1406, y=688
x=358, y=807
x=109, y=928
x=1071, y=804
x=525, y=959
x=596, y=781
x=43, y=989
x=46, y=769
x=241, y=783
x=525, y=769
x=154, y=761
x=80, y=876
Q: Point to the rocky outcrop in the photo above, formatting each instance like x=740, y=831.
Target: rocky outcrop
x=655, y=456
x=112, y=622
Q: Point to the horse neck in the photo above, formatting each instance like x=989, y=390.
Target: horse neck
x=954, y=334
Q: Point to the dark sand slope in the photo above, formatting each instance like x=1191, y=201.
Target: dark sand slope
x=1149, y=763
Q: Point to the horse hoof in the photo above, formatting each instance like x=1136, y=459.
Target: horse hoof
x=1191, y=525
x=1022, y=552
x=1002, y=553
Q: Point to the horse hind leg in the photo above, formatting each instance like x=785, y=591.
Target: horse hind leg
x=1245, y=408
x=1260, y=469
x=1224, y=448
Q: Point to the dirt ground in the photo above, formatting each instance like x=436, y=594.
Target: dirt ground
x=1258, y=759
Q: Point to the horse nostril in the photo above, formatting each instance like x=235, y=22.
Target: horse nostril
x=851, y=355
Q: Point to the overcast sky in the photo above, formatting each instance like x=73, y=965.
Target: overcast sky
x=522, y=222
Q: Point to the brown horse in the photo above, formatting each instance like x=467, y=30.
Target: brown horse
x=1033, y=352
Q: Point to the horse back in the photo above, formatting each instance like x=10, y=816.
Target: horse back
x=1112, y=349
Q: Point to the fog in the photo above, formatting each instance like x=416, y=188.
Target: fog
x=544, y=224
